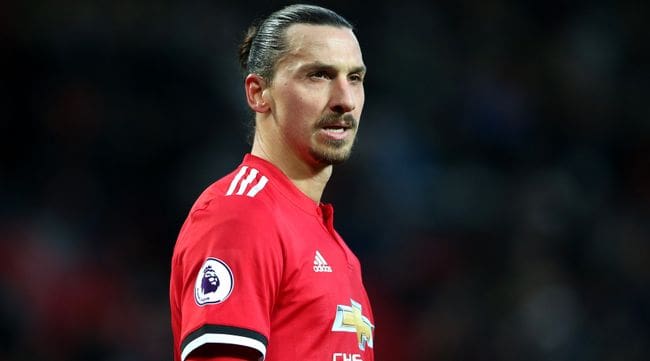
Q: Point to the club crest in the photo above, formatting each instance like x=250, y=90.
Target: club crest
x=214, y=282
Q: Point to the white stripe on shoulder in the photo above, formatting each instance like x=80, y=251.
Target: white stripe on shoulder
x=223, y=339
x=236, y=180
x=247, y=181
x=258, y=187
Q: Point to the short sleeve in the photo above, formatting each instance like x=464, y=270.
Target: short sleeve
x=228, y=269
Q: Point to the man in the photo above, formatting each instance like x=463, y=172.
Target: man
x=258, y=271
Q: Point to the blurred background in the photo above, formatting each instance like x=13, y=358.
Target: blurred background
x=498, y=197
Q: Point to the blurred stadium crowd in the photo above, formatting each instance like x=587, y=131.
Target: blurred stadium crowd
x=498, y=197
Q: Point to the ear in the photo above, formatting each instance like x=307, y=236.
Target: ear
x=255, y=97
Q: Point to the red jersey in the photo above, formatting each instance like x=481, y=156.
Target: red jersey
x=259, y=264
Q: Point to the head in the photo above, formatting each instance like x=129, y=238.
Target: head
x=304, y=81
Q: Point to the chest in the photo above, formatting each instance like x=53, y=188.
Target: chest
x=321, y=295
x=320, y=270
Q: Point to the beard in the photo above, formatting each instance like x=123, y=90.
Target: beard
x=334, y=151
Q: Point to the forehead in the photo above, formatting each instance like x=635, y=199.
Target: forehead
x=322, y=43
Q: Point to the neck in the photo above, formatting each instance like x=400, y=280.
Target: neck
x=309, y=179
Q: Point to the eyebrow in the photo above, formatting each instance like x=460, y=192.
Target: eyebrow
x=319, y=65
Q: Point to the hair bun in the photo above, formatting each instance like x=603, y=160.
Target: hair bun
x=245, y=47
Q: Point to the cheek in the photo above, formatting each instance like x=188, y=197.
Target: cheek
x=294, y=103
x=361, y=98
x=307, y=101
x=361, y=95
x=298, y=109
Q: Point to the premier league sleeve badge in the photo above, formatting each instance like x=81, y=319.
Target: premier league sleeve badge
x=214, y=282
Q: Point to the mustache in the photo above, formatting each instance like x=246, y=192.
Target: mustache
x=347, y=120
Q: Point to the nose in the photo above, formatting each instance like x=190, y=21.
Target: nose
x=342, y=97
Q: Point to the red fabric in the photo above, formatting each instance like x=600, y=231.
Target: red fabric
x=269, y=241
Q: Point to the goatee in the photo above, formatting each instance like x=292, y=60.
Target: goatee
x=335, y=151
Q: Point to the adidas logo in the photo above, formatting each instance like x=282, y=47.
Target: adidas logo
x=320, y=264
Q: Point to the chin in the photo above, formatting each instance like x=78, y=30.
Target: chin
x=333, y=160
x=331, y=156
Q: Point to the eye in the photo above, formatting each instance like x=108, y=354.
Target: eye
x=320, y=74
x=357, y=78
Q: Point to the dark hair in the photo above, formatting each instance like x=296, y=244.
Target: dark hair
x=265, y=43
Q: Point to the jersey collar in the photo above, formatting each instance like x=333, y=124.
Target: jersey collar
x=285, y=186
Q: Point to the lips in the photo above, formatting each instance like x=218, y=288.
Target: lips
x=341, y=127
x=336, y=131
x=336, y=126
x=336, y=122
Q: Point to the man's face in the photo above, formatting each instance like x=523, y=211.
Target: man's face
x=317, y=93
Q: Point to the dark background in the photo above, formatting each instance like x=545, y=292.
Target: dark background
x=498, y=198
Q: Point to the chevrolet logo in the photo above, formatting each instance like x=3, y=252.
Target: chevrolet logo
x=350, y=319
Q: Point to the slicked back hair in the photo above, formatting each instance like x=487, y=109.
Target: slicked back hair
x=265, y=42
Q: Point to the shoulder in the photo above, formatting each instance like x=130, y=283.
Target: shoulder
x=230, y=212
x=245, y=186
x=244, y=190
x=231, y=208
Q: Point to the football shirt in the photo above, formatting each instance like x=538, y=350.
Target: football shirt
x=259, y=264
